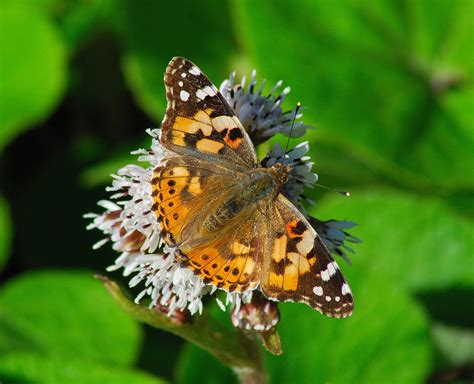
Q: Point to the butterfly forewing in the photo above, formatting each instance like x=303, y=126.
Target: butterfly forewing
x=199, y=122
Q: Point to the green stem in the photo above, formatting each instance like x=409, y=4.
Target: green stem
x=239, y=351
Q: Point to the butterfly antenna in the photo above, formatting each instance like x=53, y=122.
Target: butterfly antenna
x=297, y=109
x=344, y=193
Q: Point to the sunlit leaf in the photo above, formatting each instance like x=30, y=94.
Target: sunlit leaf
x=376, y=79
x=146, y=28
x=212, y=371
x=32, y=69
x=417, y=242
x=387, y=326
x=69, y=314
x=29, y=368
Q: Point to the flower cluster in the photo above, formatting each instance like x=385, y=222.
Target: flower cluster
x=261, y=116
x=130, y=223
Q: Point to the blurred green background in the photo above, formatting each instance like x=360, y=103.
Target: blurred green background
x=387, y=83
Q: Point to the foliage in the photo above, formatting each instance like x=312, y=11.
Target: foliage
x=388, y=86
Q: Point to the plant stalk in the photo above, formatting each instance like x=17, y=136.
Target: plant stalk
x=239, y=351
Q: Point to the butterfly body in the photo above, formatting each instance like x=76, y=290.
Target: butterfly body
x=225, y=214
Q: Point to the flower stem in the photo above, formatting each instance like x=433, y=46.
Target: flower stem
x=239, y=351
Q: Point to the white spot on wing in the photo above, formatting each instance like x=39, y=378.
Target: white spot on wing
x=184, y=95
x=206, y=91
x=325, y=275
x=183, y=74
x=328, y=298
x=332, y=267
x=201, y=94
x=180, y=83
x=209, y=90
x=318, y=290
x=337, y=298
x=345, y=289
x=194, y=71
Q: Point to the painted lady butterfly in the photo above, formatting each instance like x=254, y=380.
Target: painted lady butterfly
x=224, y=212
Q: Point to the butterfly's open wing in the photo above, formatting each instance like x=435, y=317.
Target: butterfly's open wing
x=184, y=190
x=299, y=266
x=233, y=259
x=199, y=122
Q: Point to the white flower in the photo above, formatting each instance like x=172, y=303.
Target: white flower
x=258, y=315
x=261, y=116
x=301, y=175
x=335, y=236
x=131, y=225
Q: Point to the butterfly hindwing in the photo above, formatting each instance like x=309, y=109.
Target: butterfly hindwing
x=199, y=122
x=231, y=261
x=300, y=268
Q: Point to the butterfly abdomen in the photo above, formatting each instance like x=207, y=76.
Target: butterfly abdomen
x=220, y=217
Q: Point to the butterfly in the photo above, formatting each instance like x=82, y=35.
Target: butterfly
x=224, y=212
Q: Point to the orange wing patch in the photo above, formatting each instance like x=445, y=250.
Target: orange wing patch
x=194, y=124
x=222, y=269
x=295, y=228
x=231, y=260
x=168, y=185
x=302, y=269
x=233, y=138
x=178, y=192
x=209, y=146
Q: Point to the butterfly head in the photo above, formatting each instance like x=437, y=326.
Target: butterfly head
x=265, y=183
x=281, y=172
x=258, y=185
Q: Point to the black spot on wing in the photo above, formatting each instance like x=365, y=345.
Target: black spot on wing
x=235, y=133
x=299, y=228
x=191, y=140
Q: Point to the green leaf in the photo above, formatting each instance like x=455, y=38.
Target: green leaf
x=32, y=69
x=69, y=314
x=79, y=19
x=380, y=82
x=76, y=20
x=387, y=326
x=5, y=232
x=29, y=368
x=417, y=242
x=146, y=28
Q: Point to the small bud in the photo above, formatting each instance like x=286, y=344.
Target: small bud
x=260, y=315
